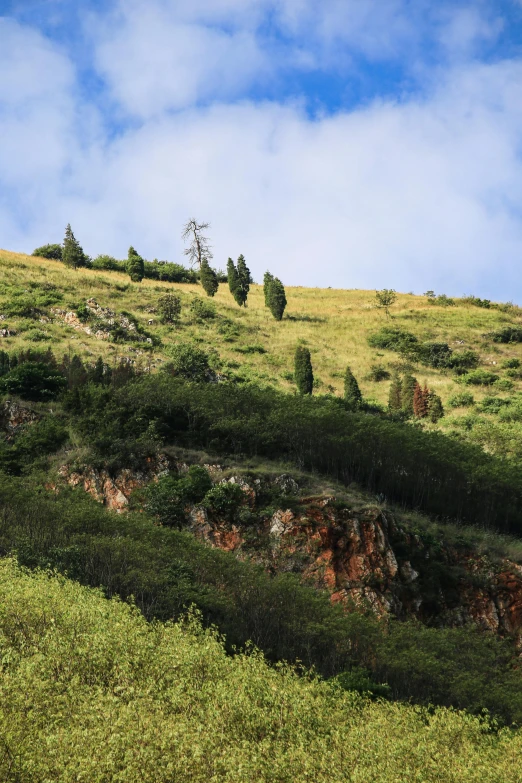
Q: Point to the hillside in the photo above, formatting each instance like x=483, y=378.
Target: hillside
x=247, y=344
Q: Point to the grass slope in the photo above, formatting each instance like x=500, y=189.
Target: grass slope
x=90, y=691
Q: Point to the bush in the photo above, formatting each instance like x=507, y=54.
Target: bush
x=33, y=381
x=510, y=364
x=461, y=400
x=479, y=378
x=461, y=361
x=475, y=301
x=492, y=404
x=442, y=300
x=169, y=308
x=393, y=339
x=168, y=497
x=434, y=354
x=224, y=499
x=509, y=334
x=49, y=251
x=188, y=362
x=504, y=384
x=109, y=263
x=378, y=373
x=202, y=310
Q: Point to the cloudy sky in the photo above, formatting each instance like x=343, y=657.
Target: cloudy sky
x=343, y=143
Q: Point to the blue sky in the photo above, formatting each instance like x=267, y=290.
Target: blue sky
x=350, y=143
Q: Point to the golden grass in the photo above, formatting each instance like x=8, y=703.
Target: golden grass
x=333, y=323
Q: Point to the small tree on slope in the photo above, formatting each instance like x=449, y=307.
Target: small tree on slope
x=303, y=373
x=276, y=298
x=268, y=279
x=352, y=393
x=395, y=398
x=72, y=252
x=135, y=266
x=208, y=278
x=244, y=279
x=233, y=280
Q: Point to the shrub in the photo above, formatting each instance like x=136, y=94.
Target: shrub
x=378, y=373
x=168, y=497
x=509, y=334
x=275, y=296
x=188, y=362
x=385, y=299
x=224, y=499
x=208, y=278
x=492, y=404
x=479, y=377
x=392, y=339
x=202, y=310
x=511, y=364
x=461, y=361
x=461, y=400
x=109, y=263
x=475, y=301
x=503, y=384
x=442, y=300
x=33, y=381
x=250, y=349
x=169, y=308
x=434, y=354
x=49, y=251
x=352, y=393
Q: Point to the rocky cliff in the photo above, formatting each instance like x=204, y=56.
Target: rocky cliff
x=364, y=557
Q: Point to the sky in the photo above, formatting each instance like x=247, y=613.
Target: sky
x=343, y=143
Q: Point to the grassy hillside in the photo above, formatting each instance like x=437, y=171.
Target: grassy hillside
x=334, y=324
x=92, y=692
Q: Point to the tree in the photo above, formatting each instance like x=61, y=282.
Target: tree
x=435, y=409
x=352, y=393
x=135, y=266
x=49, y=251
x=276, y=298
x=268, y=279
x=303, y=373
x=244, y=280
x=233, y=279
x=199, y=248
x=407, y=392
x=169, y=308
x=385, y=299
x=420, y=404
x=72, y=252
x=395, y=397
x=208, y=278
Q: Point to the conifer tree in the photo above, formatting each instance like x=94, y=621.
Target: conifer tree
x=276, y=298
x=352, y=393
x=244, y=280
x=233, y=280
x=420, y=407
x=268, y=279
x=407, y=392
x=208, y=278
x=303, y=373
x=395, y=397
x=135, y=266
x=72, y=253
x=435, y=409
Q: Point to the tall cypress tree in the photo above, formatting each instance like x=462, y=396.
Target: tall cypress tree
x=395, y=397
x=435, y=409
x=352, y=393
x=276, y=298
x=233, y=280
x=303, y=373
x=208, y=278
x=244, y=280
x=407, y=392
x=420, y=407
x=135, y=266
x=268, y=279
x=72, y=253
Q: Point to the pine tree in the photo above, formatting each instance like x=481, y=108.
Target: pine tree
x=135, y=266
x=72, y=253
x=407, y=392
x=420, y=407
x=276, y=298
x=352, y=393
x=232, y=276
x=268, y=279
x=244, y=280
x=208, y=278
x=395, y=397
x=435, y=409
x=303, y=373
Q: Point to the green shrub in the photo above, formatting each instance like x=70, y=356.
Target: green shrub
x=33, y=381
x=461, y=400
x=442, y=300
x=167, y=498
x=303, y=373
x=509, y=334
x=49, y=251
x=492, y=404
x=461, y=361
x=393, y=339
x=169, y=308
x=479, y=377
x=135, y=266
x=224, y=499
x=378, y=373
x=188, y=362
x=510, y=364
x=248, y=349
x=504, y=384
x=475, y=301
x=202, y=310
x=109, y=263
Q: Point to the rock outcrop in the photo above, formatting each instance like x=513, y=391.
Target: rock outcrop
x=13, y=416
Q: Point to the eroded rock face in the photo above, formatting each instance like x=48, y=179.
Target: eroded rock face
x=13, y=416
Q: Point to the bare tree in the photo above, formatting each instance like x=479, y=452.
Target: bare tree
x=199, y=248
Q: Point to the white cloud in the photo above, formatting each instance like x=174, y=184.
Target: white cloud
x=412, y=195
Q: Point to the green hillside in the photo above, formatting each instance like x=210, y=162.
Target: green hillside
x=90, y=691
